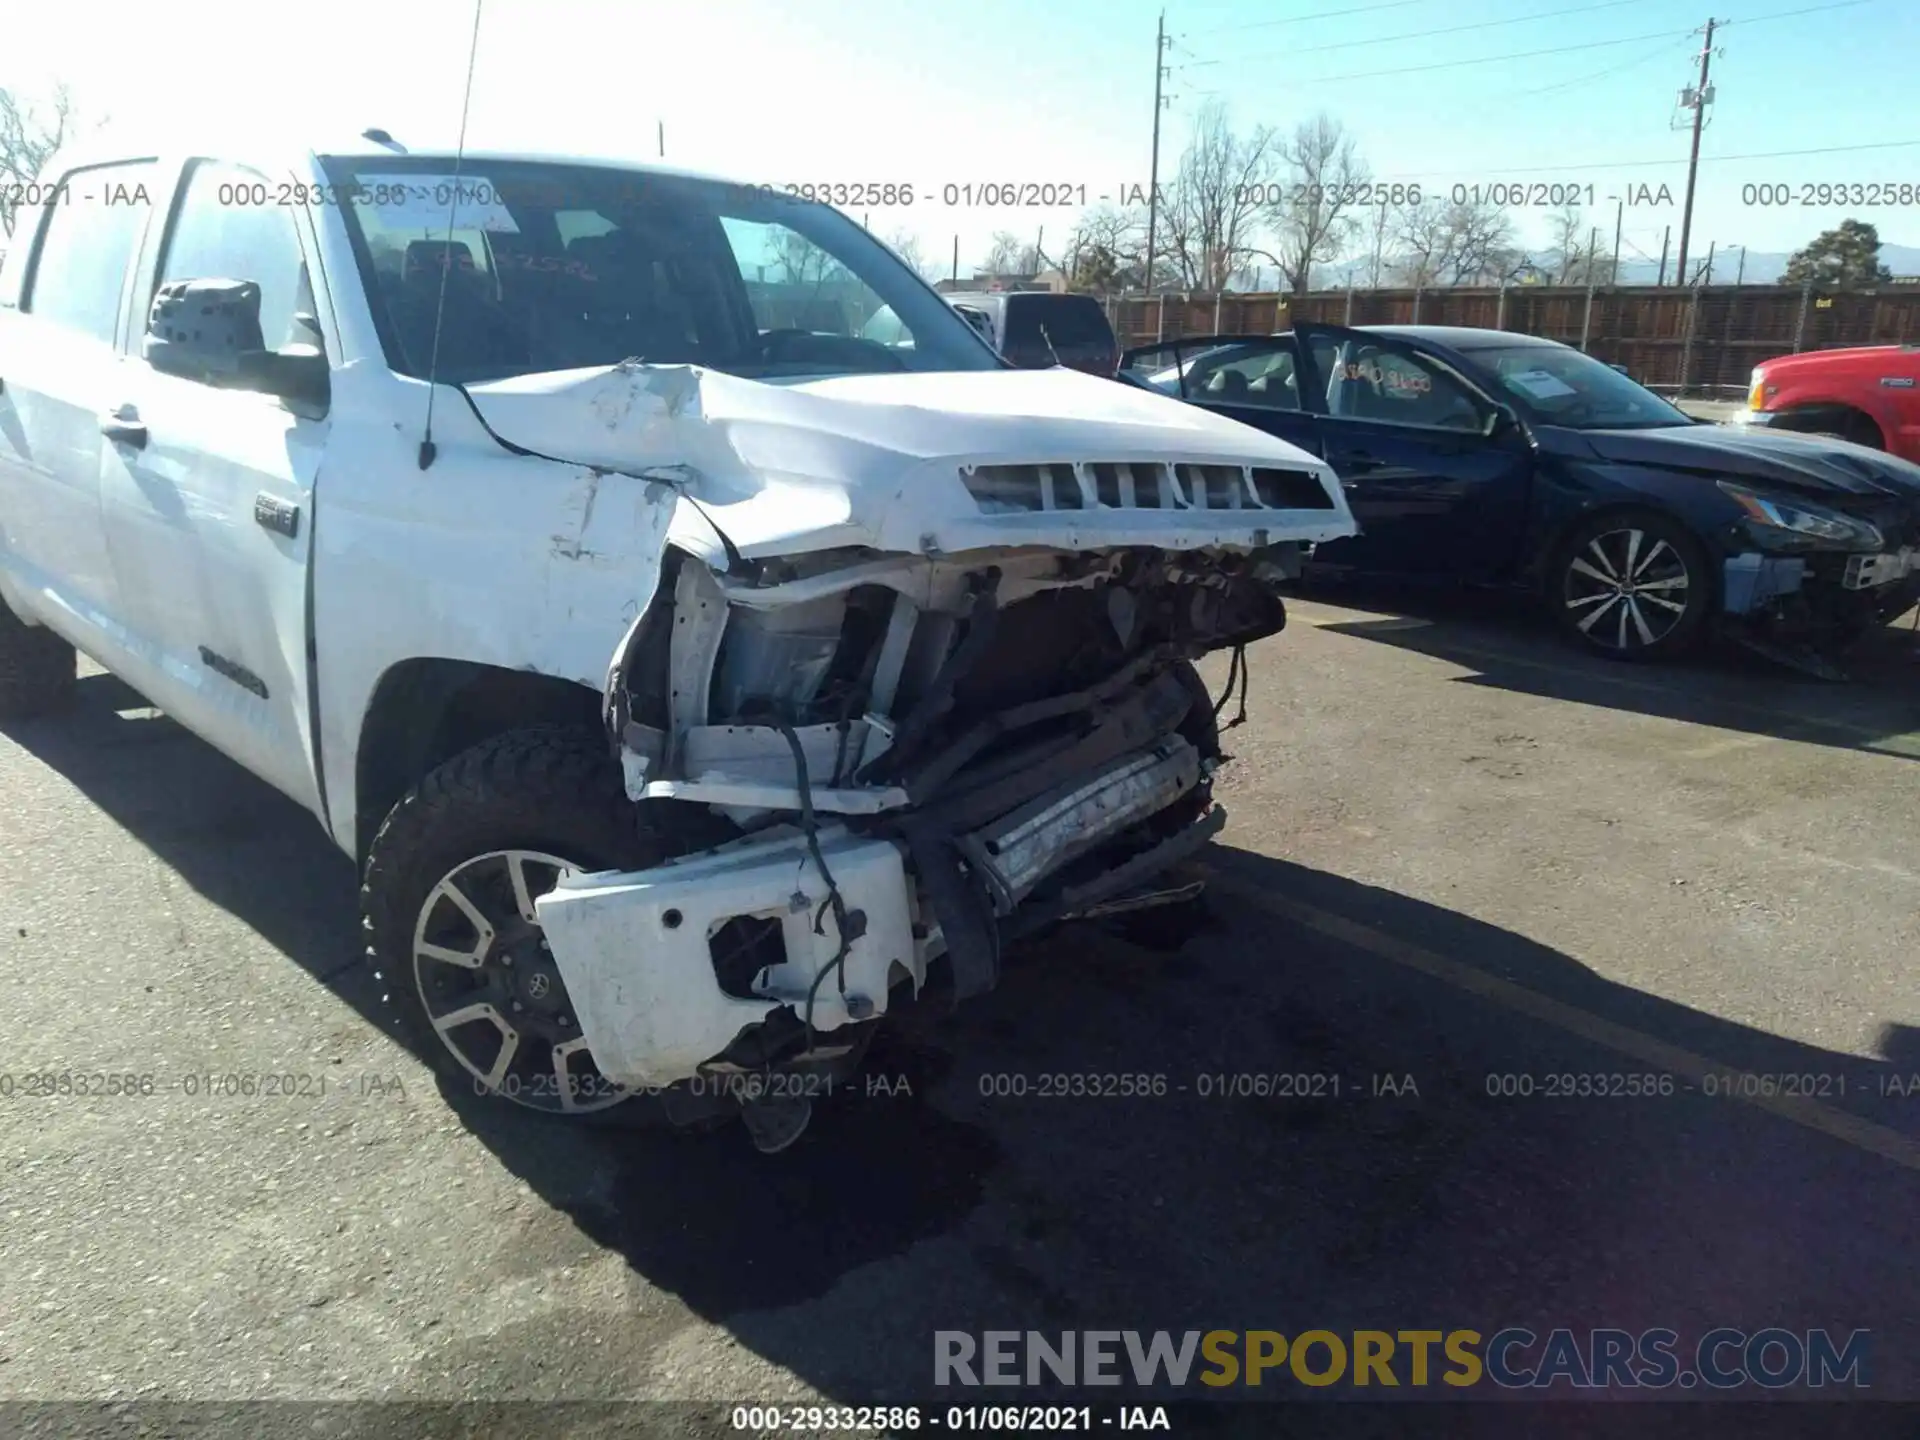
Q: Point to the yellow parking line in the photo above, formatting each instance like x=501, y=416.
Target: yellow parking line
x=1879, y=1140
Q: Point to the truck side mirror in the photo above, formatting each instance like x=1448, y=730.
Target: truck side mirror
x=208, y=331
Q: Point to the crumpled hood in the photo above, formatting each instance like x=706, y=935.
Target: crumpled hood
x=877, y=459
x=1808, y=463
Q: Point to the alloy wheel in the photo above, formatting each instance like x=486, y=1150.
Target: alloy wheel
x=492, y=991
x=1626, y=589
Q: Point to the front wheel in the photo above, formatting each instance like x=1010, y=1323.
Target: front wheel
x=452, y=934
x=1632, y=585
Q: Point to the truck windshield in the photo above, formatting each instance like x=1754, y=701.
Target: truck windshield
x=1560, y=386
x=518, y=267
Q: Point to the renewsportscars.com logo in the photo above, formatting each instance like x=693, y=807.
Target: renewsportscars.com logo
x=1513, y=1358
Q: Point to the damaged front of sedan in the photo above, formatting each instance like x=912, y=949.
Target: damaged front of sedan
x=895, y=643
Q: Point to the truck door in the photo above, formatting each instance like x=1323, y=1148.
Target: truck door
x=208, y=494
x=59, y=369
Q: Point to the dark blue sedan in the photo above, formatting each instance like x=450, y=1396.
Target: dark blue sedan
x=1486, y=457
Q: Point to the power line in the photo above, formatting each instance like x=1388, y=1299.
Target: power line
x=1515, y=55
x=1556, y=168
x=1664, y=50
x=1341, y=13
x=1810, y=10
x=1478, y=59
x=1426, y=34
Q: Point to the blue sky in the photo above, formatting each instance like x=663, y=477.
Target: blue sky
x=996, y=91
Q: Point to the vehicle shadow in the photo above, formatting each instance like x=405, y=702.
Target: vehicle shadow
x=969, y=1181
x=1511, y=646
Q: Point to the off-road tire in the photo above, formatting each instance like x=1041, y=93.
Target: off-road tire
x=552, y=789
x=37, y=668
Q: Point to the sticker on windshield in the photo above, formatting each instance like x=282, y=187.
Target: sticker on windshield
x=1542, y=384
x=431, y=202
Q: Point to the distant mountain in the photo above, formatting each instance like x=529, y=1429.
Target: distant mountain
x=1761, y=267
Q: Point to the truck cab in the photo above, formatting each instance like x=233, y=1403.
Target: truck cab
x=690, y=676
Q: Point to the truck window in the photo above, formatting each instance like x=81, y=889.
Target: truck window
x=555, y=266
x=795, y=284
x=1071, y=328
x=218, y=235
x=85, y=242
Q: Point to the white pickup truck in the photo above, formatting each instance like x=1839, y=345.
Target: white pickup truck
x=690, y=676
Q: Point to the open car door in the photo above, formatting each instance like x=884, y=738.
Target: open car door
x=1438, y=472
x=1254, y=379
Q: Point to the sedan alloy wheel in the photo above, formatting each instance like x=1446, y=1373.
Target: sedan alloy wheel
x=1632, y=587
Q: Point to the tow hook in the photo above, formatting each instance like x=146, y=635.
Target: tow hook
x=775, y=1121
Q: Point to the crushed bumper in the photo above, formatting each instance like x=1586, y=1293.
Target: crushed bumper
x=639, y=951
x=635, y=949
x=1869, y=572
x=1752, y=580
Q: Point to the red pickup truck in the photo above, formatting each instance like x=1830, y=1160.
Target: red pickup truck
x=1870, y=395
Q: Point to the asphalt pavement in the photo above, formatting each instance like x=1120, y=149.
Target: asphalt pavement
x=1461, y=857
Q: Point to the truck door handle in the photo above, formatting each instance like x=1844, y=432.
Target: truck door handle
x=125, y=427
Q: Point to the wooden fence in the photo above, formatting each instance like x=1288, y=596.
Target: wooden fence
x=1700, y=341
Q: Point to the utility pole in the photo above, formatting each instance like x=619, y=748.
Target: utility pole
x=1379, y=236
x=1741, y=273
x=1153, y=168
x=1619, y=216
x=1593, y=255
x=1695, y=100
x=661, y=127
x=1666, y=239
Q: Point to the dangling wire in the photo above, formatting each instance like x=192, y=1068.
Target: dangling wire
x=850, y=925
x=1233, y=674
x=1237, y=672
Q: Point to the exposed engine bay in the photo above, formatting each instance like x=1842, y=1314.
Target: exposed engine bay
x=923, y=757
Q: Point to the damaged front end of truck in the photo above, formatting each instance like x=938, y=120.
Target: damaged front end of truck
x=925, y=645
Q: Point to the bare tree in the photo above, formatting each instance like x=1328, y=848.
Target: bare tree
x=1311, y=208
x=1421, y=244
x=1212, y=210
x=1003, y=255
x=1382, y=222
x=1441, y=242
x=907, y=246
x=800, y=262
x=1481, y=243
x=28, y=139
x=1573, y=247
x=1106, y=243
